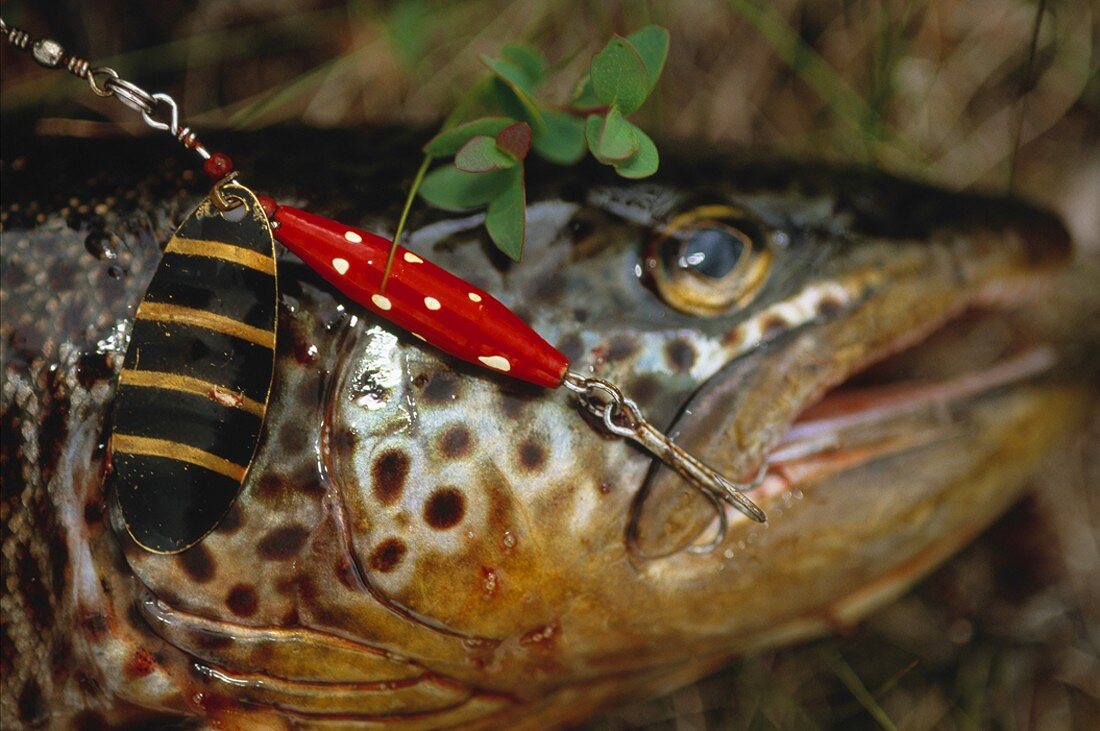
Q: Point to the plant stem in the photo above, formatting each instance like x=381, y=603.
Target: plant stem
x=405, y=216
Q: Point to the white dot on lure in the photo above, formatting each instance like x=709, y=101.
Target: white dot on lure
x=340, y=265
x=496, y=361
x=432, y=303
x=413, y=258
x=381, y=301
x=353, y=237
x=474, y=297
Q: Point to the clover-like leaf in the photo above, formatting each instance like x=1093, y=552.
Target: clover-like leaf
x=511, y=96
x=450, y=141
x=619, y=75
x=481, y=155
x=562, y=141
x=506, y=217
x=618, y=138
x=452, y=189
x=651, y=43
x=515, y=140
x=528, y=61
x=642, y=163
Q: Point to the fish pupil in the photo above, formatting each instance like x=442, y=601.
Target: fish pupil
x=712, y=252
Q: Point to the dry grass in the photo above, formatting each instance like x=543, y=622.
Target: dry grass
x=1007, y=635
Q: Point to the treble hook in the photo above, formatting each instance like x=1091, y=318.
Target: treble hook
x=622, y=417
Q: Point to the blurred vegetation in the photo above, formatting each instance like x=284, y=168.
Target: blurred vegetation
x=962, y=92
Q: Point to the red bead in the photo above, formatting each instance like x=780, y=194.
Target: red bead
x=217, y=166
x=268, y=204
x=422, y=298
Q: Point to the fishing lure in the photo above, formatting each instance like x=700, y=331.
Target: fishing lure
x=184, y=432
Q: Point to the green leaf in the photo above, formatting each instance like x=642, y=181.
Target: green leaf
x=528, y=61
x=452, y=189
x=481, y=155
x=651, y=43
x=584, y=96
x=511, y=95
x=450, y=141
x=562, y=141
x=506, y=218
x=643, y=163
x=515, y=140
x=593, y=125
x=618, y=137
x=619, y=75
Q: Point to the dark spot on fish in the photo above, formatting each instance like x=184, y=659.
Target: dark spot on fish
x=680, y=354
x=61, y=657
x=445, y=508
x=93, y=512
x=773, y=325
x=388, y=475
x=93, y=368
x=54, y=430
x=88, y=685
x=829, y=305
x=32, y=709
x=455, y=442
x=242, y=600
x=36, y=597
x=94, y=625
x=643, y=389
x=734, y=337
x=442, y=387
x=283, y=543
x=232, y=521
x=197, y=563
x=532, y=454
x=571, y=346
x=345, y=440
x=550, y=289
x=7, y=649
x=387, y=555
x=271, y=488
x=293, y=438
x=580, y=315
x=621, y=347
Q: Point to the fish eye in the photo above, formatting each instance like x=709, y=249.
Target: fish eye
x=708, y=259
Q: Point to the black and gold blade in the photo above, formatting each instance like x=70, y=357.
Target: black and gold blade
x=197, y=375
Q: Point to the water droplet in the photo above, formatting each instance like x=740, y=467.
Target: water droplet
x=728, y=553
x=508, y=539
x=116, y=272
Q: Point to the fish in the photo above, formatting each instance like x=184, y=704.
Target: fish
x=423, y=544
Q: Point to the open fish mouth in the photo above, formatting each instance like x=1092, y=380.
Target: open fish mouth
x=836, y=415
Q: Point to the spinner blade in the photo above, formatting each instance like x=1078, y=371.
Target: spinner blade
x=195, y=382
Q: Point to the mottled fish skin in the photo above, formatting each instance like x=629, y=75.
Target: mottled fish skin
x=421, y=544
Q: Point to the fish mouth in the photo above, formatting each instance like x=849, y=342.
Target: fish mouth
x=918, y=389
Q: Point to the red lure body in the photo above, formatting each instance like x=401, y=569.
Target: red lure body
x=420, y=297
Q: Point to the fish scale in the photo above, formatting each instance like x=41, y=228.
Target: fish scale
x=420, y=543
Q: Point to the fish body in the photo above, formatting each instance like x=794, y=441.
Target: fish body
x=420, y=543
